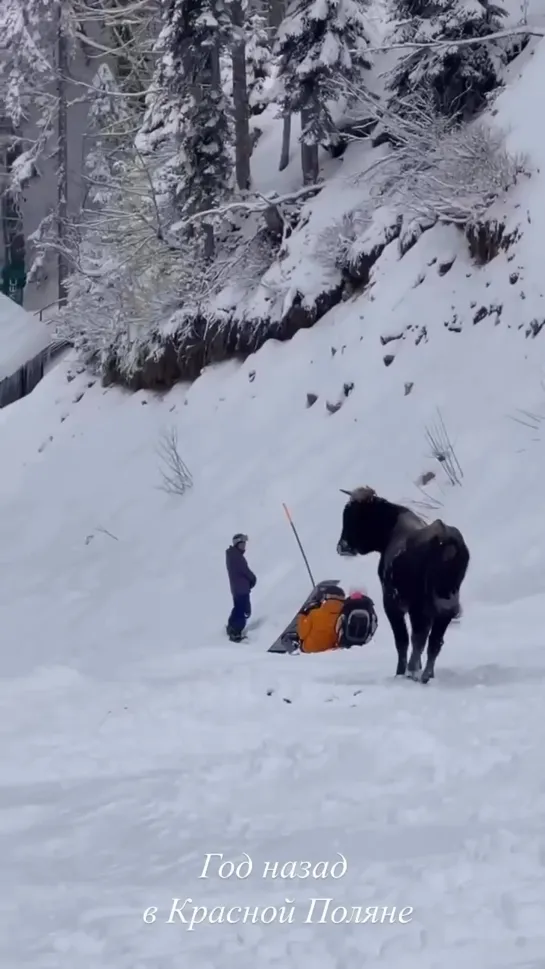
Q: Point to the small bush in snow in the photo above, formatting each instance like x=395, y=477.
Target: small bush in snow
x=358, y=240
x=460, y=177
x=176, y=476
x=442, y=450
x=436, y=169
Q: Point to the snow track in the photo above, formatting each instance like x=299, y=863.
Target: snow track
x=434, y=796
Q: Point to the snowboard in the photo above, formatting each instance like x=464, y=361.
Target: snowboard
x=287, y=640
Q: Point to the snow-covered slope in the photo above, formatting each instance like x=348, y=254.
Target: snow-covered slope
x=135, y=739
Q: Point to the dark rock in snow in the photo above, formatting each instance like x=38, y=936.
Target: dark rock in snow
x=534, y=328
x=390, y=339
x=487, y=239
x=480, y=314
x=425, y=478
x=453, y=326
x=444, y=267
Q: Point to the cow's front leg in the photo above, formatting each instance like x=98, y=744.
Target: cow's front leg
x=396, y=618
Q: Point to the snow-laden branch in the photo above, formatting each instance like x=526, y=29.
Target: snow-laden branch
x=258, y=204
x=508, y=32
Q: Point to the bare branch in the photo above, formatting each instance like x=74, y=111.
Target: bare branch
x=258, y=204
x=464, y=42
x=106, y=532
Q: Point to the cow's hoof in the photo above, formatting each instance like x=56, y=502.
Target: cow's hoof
x=427, y=675
x=414, y=675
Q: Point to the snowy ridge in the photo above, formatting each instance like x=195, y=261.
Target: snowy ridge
x=135, y=740
x=308, y=267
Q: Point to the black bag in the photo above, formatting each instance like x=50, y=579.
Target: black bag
x=357, y=622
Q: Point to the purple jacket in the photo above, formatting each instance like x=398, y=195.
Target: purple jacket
x=241, y=577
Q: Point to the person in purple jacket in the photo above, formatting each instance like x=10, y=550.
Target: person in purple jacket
x=242, y=580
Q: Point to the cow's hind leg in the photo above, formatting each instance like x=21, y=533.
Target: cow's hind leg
x=420, y=629
x=396, y=618
x=438, y=630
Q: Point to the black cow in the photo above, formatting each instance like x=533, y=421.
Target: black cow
x=421, y=570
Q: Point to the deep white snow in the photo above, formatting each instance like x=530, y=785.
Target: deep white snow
x=22, y=337
x=135, y=739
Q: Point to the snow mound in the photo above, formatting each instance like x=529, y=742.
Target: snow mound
x=22, y=337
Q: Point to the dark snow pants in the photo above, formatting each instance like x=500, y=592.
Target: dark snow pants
x=240, y=613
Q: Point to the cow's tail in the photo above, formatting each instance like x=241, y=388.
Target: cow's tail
x=448, y=563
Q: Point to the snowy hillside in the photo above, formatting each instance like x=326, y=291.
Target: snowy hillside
x=136, y=739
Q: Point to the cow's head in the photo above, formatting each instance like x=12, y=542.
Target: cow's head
x=357, y=535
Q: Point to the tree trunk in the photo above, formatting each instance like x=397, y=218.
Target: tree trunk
x=209, y=241
x=240, y=99
x=62, y=155
x=309, y=155
x=277, y=10
x=286, y=137
x=274, y=222
x=211, y=75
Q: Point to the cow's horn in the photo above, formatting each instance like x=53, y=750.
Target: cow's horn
x=363, y=494
x=345, y=492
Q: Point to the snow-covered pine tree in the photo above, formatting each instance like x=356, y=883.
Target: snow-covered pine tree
x=36, y=40
x=259, y=60
x=241, y=104
x=187, y=112
x=111, y=122
x=320, y=44
x=458, y=79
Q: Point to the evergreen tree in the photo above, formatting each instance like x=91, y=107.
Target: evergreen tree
x=320, y=44
x=27, y=76
x=37, y=40
x=188, y=113
x=110, y=118
x=259, y=60
x=457, y=79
